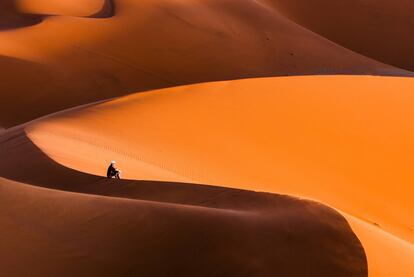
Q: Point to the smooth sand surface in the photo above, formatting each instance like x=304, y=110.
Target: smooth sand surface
x=224, y=233
x=10, y=17
x=387, y=254
x=278, y=176
x=322, y=138
x=379, y=29
x=68, y=60
x=60, y=7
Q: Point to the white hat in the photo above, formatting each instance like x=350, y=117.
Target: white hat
x=113, y=162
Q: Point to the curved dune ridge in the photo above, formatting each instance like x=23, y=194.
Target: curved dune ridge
x=88, y=8
x=254, y=133
x=77, y=60
x=225, y=173
x=108, y=9
x=10, y=17
x=24, y=13
x=379, y=29
x=192, y=231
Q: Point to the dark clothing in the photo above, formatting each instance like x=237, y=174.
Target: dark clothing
x=112, y=172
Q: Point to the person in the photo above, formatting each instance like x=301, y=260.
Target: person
x=113, y=172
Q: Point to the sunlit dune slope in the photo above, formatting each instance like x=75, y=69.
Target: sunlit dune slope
x=23, y=156
x=344, y=141
x=380, y=29
x=387, y=255
x=67, y=234
x=60, y=7
x=73, y=60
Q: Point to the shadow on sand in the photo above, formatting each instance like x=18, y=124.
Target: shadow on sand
x=323, y=233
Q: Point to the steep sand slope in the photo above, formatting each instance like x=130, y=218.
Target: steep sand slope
x=323, y=137
x=40, y=170
x=345, y=141
x=66, y=234
x=380, y=29
x=79, y=60
x=60, y=7
x=387, y=255
x=10, y=17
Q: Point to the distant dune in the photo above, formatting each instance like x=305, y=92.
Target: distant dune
x=379, y=29
x=80, y=8
x=255, y=138
x=10, y=17
x=149, y=44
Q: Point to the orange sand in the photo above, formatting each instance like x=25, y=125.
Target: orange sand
x=60, y=7
x=344, y=141
x=226, y=233
x=65, y=61
x=379, y=29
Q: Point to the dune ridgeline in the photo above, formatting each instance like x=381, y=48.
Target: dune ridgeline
x=255, y=138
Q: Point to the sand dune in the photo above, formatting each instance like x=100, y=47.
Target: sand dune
x=254, y=133
x=91, y=8
x=339, y=146
x=387, y=255
x=10, y=17
x=89, y=59
x=71, y=234
x=378, y=29
x=108, y=9
x=246, y=134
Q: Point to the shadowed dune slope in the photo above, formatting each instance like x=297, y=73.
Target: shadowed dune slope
x=84, y=82
x=90, y=59
x=379, y=29
x=72, y=234
x=108, y=9
x=15, y=92
x=341, y=140
x=10, y=17
x=244, y=134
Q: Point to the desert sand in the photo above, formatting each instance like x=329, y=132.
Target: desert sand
x=254, y=139
x=347, y=161
x=378, y=29
x=182, y=230
x=73, y=60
